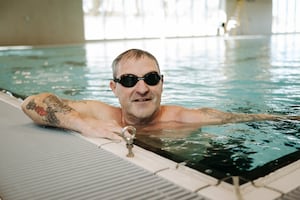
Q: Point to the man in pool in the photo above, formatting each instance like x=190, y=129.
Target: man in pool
x=138, y=84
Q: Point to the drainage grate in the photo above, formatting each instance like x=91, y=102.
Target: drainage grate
x=39, y=163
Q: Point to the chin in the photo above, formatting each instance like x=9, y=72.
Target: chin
x=143, y=113
x=143, y=110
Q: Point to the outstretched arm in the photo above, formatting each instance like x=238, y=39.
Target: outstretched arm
x=209, y=116
x=48, y=109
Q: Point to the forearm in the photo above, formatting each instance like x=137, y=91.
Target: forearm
x=242, y=117
x=48, y=109
x=213, y=116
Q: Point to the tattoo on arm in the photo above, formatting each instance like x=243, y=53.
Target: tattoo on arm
x=53, y=106
x=227, y=117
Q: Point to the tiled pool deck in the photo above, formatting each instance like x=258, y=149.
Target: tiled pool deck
x=155, y=169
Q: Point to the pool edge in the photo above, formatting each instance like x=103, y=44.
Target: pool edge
x=270, y=186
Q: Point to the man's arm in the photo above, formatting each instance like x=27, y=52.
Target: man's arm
x=209, y=116
x=48, y=109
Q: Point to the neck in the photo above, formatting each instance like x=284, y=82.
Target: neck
x=135, y=121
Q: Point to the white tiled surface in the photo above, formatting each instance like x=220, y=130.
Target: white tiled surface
x=229, y=192
x=222, y=191
x=267, y=188
x=287, y=182
x=188, y=178
x=284, y=179
x=261, y=193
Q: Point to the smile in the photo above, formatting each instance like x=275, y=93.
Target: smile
x=142, y=100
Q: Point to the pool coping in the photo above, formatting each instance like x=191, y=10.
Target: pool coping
x=271, y=186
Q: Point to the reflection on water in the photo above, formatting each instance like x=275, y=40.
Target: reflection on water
x=251, y=75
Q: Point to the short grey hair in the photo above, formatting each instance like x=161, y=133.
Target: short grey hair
x=131, y=53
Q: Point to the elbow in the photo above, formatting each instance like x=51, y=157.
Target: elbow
x=27, y=108
x=33, y=109
x=25, y=103
x=31, y=101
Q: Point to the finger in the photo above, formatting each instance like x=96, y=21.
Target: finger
x=113, y=136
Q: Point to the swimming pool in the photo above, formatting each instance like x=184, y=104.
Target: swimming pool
x=243, y=74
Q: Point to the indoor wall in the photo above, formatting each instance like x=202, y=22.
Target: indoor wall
x=253, y=17
x=41, y=22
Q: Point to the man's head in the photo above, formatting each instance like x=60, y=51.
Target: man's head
x=138, y=85
x=134, y=54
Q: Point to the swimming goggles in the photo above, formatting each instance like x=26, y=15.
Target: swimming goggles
x=130, y=80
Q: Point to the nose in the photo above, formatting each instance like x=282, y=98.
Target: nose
x=141, y=87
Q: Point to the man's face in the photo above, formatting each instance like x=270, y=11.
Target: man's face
x=142, y=101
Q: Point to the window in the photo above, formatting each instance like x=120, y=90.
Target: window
x=286, y=16
x=124, y=19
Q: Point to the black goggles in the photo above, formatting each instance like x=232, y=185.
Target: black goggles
x=130, y=80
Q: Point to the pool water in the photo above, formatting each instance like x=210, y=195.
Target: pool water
x=242, y=74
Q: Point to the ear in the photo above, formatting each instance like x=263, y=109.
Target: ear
x=112, y=86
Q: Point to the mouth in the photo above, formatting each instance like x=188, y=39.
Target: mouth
x=142, y=100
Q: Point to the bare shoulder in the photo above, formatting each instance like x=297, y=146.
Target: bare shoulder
x=172, y=109
x=190, y=115
x=174, y=113
x=184, y=110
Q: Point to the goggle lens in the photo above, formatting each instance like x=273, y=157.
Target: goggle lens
x=130, y=80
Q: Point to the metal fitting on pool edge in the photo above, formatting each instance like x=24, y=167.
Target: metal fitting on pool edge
x=129, y=140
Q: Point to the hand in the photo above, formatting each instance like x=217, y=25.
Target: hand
x=101, y=129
